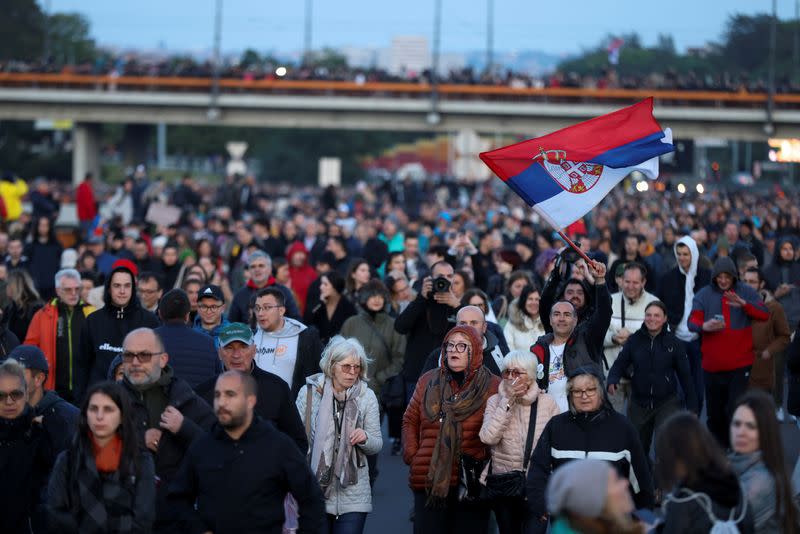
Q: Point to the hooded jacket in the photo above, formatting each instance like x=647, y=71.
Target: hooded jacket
x=492, y=355
x=103, y=333
x=239, y=311
x=301, y=276
x=732, y=347
x=772, y=335
x=59, y=420
x=381, y=342
x=420, y=433
x=294, y=335
x=672, y=290
x=785, y=272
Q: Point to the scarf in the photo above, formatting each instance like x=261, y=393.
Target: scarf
x=107, y=456
x=451, y=406
x=332, y=455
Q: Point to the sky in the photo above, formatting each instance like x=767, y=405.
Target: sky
x=560, y=27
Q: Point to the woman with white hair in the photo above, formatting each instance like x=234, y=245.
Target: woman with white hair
x=343, y=425
x=514, y=419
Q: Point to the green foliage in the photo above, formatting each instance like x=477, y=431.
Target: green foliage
x=69, y=40
x=326, y=58
x=21, y=25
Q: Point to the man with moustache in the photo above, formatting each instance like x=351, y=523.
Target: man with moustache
x=235, y=479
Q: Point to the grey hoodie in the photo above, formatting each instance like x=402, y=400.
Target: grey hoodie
x=276, y=352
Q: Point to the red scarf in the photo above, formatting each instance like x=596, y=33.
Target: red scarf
x=252, y=285
x=107, y=457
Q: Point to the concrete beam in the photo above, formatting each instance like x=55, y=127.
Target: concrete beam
x=85, y=151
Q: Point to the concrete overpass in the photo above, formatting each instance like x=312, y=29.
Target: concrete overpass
x=92, y=100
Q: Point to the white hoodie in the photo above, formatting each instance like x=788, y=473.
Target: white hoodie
x=682, y=331
x=276, y=352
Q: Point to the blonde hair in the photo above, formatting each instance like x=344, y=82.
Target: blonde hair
x=340, y=348
x=523, y=359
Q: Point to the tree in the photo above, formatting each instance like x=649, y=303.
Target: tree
x=69, y=40
x=22, y=28
x=250, y=58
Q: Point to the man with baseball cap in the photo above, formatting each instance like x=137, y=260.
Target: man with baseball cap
x=210, y=317
x=58, y=417
x=237, y=352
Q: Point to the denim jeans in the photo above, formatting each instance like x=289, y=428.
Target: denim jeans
x=350, y=523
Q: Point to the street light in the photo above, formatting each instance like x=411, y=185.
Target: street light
x=489, y=35
x=307, y=34
x=433, y=117
x=773, y=37
x=213, y=109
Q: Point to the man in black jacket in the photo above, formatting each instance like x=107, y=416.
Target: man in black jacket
x=104, y=330
x=237, y=351
x=168, y=414
x=259, y=266
x=235, y=479
x=425, y=321
x=191, y=354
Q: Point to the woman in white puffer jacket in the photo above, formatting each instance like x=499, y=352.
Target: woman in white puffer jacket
x=505, y=427
x=343, y=424
x=524, y=325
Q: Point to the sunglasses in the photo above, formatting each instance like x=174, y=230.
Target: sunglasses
x=15, y=395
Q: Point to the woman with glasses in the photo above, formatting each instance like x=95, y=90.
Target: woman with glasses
x=507, y=430
x=441, y=429
x=591, y=428
x=343, y=424
x=104, y=482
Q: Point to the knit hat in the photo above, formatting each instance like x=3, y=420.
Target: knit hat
x=128, y=265
x=579, y=487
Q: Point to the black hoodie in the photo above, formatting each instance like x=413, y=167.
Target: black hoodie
x=103, y=333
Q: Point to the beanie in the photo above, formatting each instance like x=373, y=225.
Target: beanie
x=579, y=487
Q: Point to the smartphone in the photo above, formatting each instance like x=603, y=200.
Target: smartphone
x=719, y=317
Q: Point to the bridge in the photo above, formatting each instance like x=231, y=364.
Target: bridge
x=89, y=100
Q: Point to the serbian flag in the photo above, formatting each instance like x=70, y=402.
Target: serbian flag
x=565, y=174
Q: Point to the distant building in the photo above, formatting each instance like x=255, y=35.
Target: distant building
x=409, y=54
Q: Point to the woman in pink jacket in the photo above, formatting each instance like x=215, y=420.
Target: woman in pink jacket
x=506, y=429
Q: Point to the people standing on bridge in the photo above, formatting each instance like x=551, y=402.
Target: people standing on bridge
x=441, y=441
x=342, y=416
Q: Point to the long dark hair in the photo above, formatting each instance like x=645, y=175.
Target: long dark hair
x=683, y=440
x=771, y=447
x=129, y=463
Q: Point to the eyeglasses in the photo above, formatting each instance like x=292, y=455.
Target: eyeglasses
x=513, y=373
x=209, y=307
x=15, y=395
x=144, y=356
x=266, y=307
x=456, y=347
x=588, y=393
x=350, y=368
x=70, y=289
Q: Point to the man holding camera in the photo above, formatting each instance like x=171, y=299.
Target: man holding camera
x=426, y=320
x=575, y=282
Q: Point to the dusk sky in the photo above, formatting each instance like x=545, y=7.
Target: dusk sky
x=558, y=27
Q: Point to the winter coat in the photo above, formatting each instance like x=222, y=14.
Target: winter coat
x=684, y=512
x=103, y=333
x=672, y=289
x=67, y=513
x=239, y=485
x=301, y=276
x=239, y=311
x=656, y=362
x=85, y=201
x=197, y=420
x=43, y=332
x=421, y=433
x=44, y=261
x=772, y=335
x=792, y=358
x=624, y=314
x=274, y=403
x=19, y=319
x=192, y=355
x=329, y=326
x=214, y=332
x=783, y=272
x=26, y=458
x=12, y=192
x=358, y=497
x=424, y=323
x=382, y=344
x=604, y=435
x=505, y=429
x=8, y=341
x=59, y=420
x=758, y=485
x=732, y=347
x=493, y=355
x=521, y=332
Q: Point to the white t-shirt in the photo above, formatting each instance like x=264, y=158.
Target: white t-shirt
x=558, y=377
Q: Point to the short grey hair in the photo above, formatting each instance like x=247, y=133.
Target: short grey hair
x=338, y=349
x=521, y=359
x=12, y=367
x=571, y=386
x=259, y=254
x=67, y=273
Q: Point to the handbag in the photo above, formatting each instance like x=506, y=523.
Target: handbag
x=393, y=392
x=512, y=484
x=469, y=478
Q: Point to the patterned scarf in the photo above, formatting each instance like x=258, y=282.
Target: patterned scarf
x=332, y=455
x=450, y=406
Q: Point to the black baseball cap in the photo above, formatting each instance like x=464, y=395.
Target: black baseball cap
x=30, y=357
x=211, y=291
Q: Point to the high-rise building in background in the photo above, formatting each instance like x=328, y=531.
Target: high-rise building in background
x=409, y=54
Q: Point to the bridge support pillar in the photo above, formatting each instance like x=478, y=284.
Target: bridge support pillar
x=135, y=143
x=85, y=151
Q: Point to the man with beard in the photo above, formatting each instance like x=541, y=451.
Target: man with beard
x=235, y=479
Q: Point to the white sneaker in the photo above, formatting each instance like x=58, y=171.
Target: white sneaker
x=779, y=414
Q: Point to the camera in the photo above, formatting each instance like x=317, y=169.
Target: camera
x=569, y=254
x=441, y=284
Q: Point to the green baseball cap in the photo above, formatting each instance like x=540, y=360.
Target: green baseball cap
x=235, y=332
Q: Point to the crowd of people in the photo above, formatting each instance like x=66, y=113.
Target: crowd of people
x=229, y=369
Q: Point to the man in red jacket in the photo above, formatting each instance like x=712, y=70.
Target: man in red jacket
x=86, y=204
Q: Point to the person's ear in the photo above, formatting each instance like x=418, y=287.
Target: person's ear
x=164, y=359
x=251, y=401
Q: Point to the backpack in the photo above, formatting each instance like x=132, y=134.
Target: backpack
x=718, y=526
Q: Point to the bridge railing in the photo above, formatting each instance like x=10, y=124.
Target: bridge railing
x=109, y=83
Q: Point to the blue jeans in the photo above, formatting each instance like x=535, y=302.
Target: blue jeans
x=350, y=523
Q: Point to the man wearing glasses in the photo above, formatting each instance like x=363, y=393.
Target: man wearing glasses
x=211, y=312
x=168, y=414
x=56, y=330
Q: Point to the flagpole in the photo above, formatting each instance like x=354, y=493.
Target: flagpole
x=575, y=247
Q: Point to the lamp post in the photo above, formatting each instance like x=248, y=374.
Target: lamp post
x=213, y=109
x=769, y=127
x=433, y=117
x=489, y=35
x=307, y=32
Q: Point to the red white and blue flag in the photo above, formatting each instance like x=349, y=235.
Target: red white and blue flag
x=613, y=50
x=563, y=175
